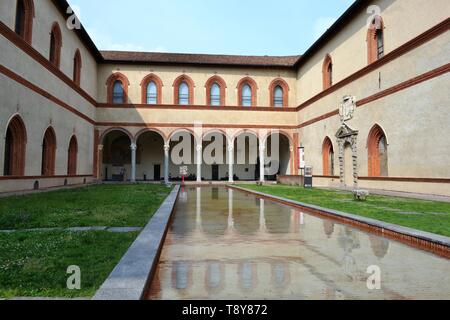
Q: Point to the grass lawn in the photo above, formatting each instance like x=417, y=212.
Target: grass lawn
x=100, y=205
x=430, y=216
x=34, y=264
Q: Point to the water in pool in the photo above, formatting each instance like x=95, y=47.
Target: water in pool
x=225, y=244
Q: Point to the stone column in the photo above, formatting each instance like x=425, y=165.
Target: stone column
x=230, y=163
x=99, y=167
x=166, y=162
x=133, y=162
x=199, y=163
x=262, y=150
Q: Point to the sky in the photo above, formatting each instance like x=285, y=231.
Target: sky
x=241, y=27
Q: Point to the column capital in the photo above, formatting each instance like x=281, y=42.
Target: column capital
x=133, y=146
x=262, y=148
x=166, y=147
x=199, y=147
x=230, y=148
x=100, y=147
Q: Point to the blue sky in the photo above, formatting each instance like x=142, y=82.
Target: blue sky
x=244, y=27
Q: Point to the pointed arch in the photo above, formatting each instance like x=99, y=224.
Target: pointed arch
x=77, y=64
x=72, y=156
x=48, y=152
x=284, y=86
x=176, y=89
x=375, y=40
x=111, y=82
x=254, y=90
x=222, y=85
x=144, y=86
x=327, y=157
x=327, y=72
x=377, y=152
x=55, y=45
x=24, y=19
x=15, y=148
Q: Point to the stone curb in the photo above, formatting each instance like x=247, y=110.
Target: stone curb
x=422, y=235
x=129, y=279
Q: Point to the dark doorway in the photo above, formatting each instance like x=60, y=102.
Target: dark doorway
x=8, y=143
x=157, y=170
x=215, y=172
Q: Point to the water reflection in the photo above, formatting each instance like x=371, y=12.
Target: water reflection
x=224, y=244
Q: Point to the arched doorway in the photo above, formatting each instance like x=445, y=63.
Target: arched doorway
x=246, y=157
x=150, y=156
x=72, y=157
x=182, y=154
x=278, y=156
x=116, y=164
x=215, y=161
x=48, y=153
x=15, y=147
x=348, y=165
x=377, y=153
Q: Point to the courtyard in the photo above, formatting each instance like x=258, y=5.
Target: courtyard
x=92, y=227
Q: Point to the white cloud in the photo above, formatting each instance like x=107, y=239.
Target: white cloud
x=322, y=25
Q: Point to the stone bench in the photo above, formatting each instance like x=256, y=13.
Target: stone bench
x=360, y=195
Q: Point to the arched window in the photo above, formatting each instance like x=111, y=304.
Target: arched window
x=183, y=94
x=327, y=72
x=151, y=90
x=377, y=153
x=55, y=45
x=328, y=157
x=152, y=93
x=247, y=92
x=278, y=97
x=118, y=92
x=48, y=153
x=77, y=67
x=15, y=147
x=279, y=93
x=183, y=91
x=24, y=19
x=215, y=91
x=215, y=95
x=72, y=157
x=375, y=40
x=246, y=96
x=117, y=89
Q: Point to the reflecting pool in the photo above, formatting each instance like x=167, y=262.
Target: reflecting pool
x=225, y=244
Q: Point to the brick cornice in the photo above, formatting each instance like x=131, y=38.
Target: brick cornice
x=192, y=107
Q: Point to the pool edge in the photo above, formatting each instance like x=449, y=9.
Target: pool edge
x=131, y=276
x=430, y=242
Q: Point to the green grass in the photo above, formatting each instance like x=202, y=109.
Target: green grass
x=34, y=264
x=430, y=216
x=101, y=205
